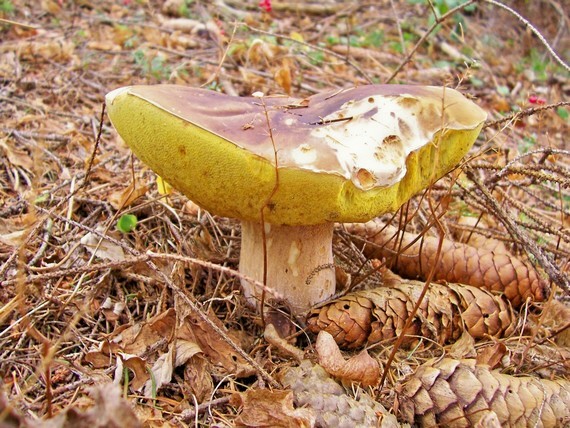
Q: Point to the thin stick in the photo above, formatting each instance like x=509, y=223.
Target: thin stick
x=532, y=28
x=314, y=47
x=438, y=20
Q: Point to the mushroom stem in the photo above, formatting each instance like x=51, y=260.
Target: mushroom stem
x=300, y=266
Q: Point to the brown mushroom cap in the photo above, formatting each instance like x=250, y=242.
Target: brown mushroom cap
x=356, y=152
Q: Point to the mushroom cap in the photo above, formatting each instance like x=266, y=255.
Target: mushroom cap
x=342, y=156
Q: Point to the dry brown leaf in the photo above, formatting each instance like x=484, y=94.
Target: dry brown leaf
x=16, y=156
x=138, y=367
x=137, y=339
x=492, y=355
x=218, y=350
x=283, y=76
x=122, y=198
x=102, y=248
x=361, y=368
x=274, y=338
x=57, y=49
x=178, y=354
x=197, y=377
x=14, y=230
x=263, y=408
x=464, y=347
x=108, y=410
x=133, y=340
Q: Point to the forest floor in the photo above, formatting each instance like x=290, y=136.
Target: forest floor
x=94, y=322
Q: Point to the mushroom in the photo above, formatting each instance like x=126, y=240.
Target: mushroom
x=290, y=168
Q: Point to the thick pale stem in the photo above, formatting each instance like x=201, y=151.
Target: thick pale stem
x=299, y=263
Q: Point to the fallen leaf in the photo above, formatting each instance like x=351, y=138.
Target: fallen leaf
x=138, y=338
x=263, y=408
x=138, y=367
x=274, y=338
x=122, y=198
x=214, y=346
x=198, y=378
x=17, y=157
x=492, y=355
x=134, y=340
x=464, y=347
x=283, y=77
x=178, y=354
x=109, y=410
x=102, y=248
x=361, y=368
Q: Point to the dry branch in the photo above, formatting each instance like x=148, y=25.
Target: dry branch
x=460, y=263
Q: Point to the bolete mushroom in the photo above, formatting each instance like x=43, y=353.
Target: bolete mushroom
x=290, y=168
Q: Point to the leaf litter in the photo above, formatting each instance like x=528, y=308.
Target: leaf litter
x=97, y=330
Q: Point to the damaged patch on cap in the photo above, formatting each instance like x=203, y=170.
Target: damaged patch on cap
x=373, y=136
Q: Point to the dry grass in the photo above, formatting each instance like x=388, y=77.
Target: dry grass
x=77, y=295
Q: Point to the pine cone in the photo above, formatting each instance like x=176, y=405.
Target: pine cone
x=371, y=316
x=458, y=393
x=459, y=263
x=315, y=390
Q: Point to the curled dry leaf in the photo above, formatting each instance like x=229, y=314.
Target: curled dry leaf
x=371, y=316
x=361, y=368
x=137, y=365
x=263, y=408
x=492, y=355
x=135, y=340
x=214, y=346
x=197, y=377
x=179, y=352
x=459, y=263
x=464, y=347
x=274, y=338
x=102, y=248
x=125, y=197
x=458, y=393
x=108, y=409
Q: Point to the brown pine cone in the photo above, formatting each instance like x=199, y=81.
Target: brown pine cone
x=458, y=393
x=371, y=316
x=459, y=263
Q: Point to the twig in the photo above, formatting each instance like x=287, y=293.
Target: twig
x=532, y=28
x=523, y=113
x=529, y=244
x=177, y=290
x=314, y=47
x=438, y=21
x=191, y=413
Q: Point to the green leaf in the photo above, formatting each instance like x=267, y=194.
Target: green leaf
x=127, y=223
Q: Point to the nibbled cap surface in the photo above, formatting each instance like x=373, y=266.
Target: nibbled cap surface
x=343, y=155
